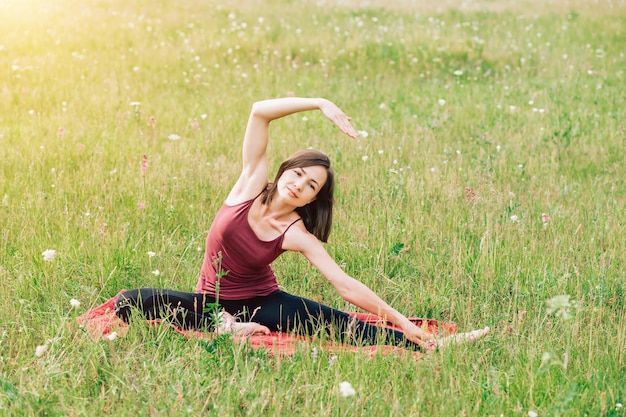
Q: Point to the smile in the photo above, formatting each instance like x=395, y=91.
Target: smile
x=292, y=193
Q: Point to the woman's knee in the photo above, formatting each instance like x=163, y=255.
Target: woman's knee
x=130, y=299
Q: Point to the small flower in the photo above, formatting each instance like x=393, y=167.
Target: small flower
x=458, y=72
x=332, y=359
x=40, y=350
x=514, y=218
x=619, y=405
x=156, y=272
x=74, y=303
x=531, y=413
x=561, y=305
x=144, y=162
x=151, y=254
x=49, y=254
x=135, y=104
x=545, y=217
x=173, y=136
x=362, y=133
x=364, y=158
x=141, y=205
x=346, y=390
x=61, y=132
x=441, y=102
x=152, y=122
x=195, y=125
x=314, y=352
x=112, y=336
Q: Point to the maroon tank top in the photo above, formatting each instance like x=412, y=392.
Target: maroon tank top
x=233, y=248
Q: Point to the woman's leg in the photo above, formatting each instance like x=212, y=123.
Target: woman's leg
x=285, y=312
x=185, y=309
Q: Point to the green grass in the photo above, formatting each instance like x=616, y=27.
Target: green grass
x=523, y=104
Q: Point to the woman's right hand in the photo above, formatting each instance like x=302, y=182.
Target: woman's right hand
x=419, y=336
x=338, y=117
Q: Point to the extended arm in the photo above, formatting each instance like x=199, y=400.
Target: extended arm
x=254, y=171
x=352, y=290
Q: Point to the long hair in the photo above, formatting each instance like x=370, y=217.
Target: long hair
x=318, y=214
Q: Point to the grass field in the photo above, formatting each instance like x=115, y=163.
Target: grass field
x=488, y=187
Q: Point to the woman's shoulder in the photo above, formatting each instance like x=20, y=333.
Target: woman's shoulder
x=297, y=238
x=238, y=197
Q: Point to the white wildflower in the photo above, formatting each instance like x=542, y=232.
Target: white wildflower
x=74, y=303
x=532, y=414
x=346, y=390
x=156, y=272
x=441, y=102
x=151, y=254
x=173, y=136
x=49, y=254
x=560, y=305
x=40, y=350
x=362, y=133
x=112, y=336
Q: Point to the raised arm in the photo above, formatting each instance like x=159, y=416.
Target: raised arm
x=253, y=178
x=350, y=289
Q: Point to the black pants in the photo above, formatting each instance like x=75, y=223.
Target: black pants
x=278, y=311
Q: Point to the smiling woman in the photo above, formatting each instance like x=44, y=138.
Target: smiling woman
x=256, y=224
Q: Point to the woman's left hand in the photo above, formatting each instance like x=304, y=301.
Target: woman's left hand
x=338, y=117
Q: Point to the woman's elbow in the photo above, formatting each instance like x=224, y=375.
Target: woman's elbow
x=344, y=289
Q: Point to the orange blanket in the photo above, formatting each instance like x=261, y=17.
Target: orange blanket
x=101, y=322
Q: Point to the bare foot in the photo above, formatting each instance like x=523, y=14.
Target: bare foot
x=228, y=324
x=249, y=328
x=456, y=339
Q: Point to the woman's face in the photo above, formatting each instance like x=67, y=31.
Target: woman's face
x=301, y=185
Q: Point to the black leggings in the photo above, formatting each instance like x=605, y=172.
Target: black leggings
x=278, y=311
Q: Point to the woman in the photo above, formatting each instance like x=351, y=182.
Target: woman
x=259, y=221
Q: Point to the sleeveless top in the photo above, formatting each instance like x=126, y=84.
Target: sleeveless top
x=234, y=251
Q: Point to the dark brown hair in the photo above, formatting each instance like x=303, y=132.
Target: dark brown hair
x=318, y=214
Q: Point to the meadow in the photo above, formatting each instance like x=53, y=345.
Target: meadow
x=487, y=187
